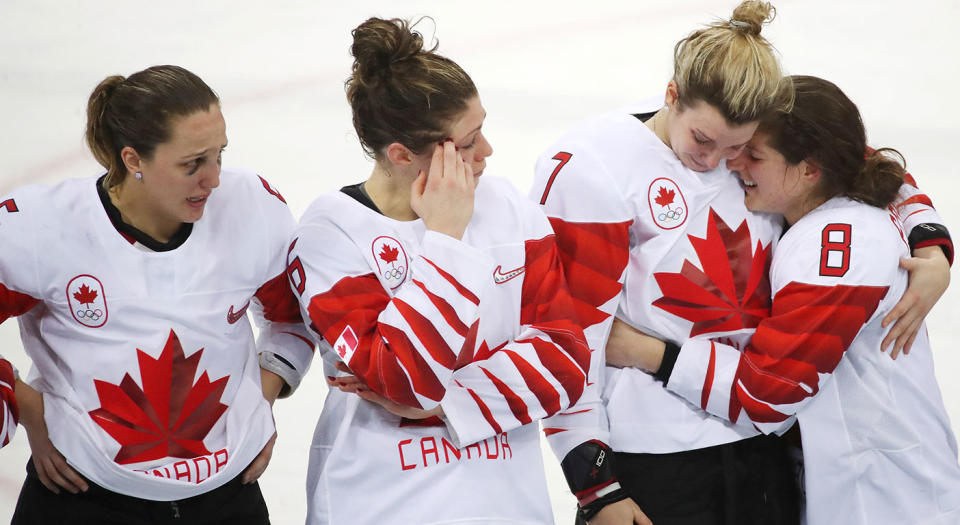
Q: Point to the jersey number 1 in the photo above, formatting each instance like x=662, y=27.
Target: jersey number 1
x=835, y=250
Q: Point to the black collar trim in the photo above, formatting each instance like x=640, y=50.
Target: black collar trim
x=357, y=193
x=132, y=234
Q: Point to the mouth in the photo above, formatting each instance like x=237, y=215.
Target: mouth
x=198, y=201
x=747, y=184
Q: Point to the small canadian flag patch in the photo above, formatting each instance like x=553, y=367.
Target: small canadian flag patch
x=346, y=344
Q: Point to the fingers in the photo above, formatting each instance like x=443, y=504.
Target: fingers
x=341, y=366
x=417, y=188
x=259, y=463
x=901, y=308
x=640, y=518
x=350, y=384
x=55, y=473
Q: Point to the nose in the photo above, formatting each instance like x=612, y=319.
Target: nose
x=713, y=159
x=484, y=149
x=736, y=163
x=211, y=176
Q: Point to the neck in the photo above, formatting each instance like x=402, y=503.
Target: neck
x=135, y=210
x=391, y=193
x=803, y=207
x=658, y=125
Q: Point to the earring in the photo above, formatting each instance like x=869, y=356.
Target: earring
x=138, y=176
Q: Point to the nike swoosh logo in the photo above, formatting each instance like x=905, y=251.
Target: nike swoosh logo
x=233, y=317
x=499, y=277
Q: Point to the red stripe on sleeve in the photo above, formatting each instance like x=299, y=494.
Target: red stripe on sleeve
x=806, y=335
x=14, y=303
x=549, y=431
x=541, y=388
x=456, y=284
x=449, y=314
x=517, y=406
x=571, y=377
x=279, y=303
x=916, y=199
x=708, y=379
x=427, y=334
x=7, y=398
x=485, y=411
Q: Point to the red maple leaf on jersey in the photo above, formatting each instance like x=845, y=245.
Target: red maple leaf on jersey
x=170, y=416
x=389, y=254
x=85, y=295
x=733, y=289
x=664, y=197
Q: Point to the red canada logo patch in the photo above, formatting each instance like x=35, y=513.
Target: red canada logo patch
x=86, y=301
x=668, y=208
x=732, y=291
x=169, y=416
x=391, y=260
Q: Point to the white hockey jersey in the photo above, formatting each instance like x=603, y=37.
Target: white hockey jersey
x=877, y=442
x=8, y=403
x=483, y=326
x=692, y=261
x=146, y=359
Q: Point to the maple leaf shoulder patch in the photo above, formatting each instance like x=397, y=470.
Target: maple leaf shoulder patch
x=86, y=301
x=391, y=260
x=668, y=207
x=169, y=415
x=731, y=292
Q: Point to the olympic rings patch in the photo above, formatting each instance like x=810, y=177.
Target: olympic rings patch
x=668, y=207
x=87, y=301
x=391, y=260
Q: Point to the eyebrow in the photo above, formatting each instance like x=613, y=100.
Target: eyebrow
x=201, y=153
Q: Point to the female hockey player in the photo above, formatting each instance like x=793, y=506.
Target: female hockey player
x=145, y=401
x=652, y=228
x=439, y=288
x=9, y=413
x=877, y=444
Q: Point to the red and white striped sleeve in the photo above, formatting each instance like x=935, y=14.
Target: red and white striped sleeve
x=591, y=221
x=541, y=372
x=19, y=282
x=405, y=347
x=9, y=415
x=922, y=225
x=821, y=304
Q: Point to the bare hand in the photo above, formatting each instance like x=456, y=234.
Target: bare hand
x=355, y=385
x=52, y=467
x=929, y=278
x=629, y=347
x=623, y=512
x=444, y=197
x=259, y=463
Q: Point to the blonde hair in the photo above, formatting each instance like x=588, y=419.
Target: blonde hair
x=731, y=67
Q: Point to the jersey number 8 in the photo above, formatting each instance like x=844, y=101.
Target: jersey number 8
x=835, y=250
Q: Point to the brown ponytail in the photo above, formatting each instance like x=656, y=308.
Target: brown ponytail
x=137, y=111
